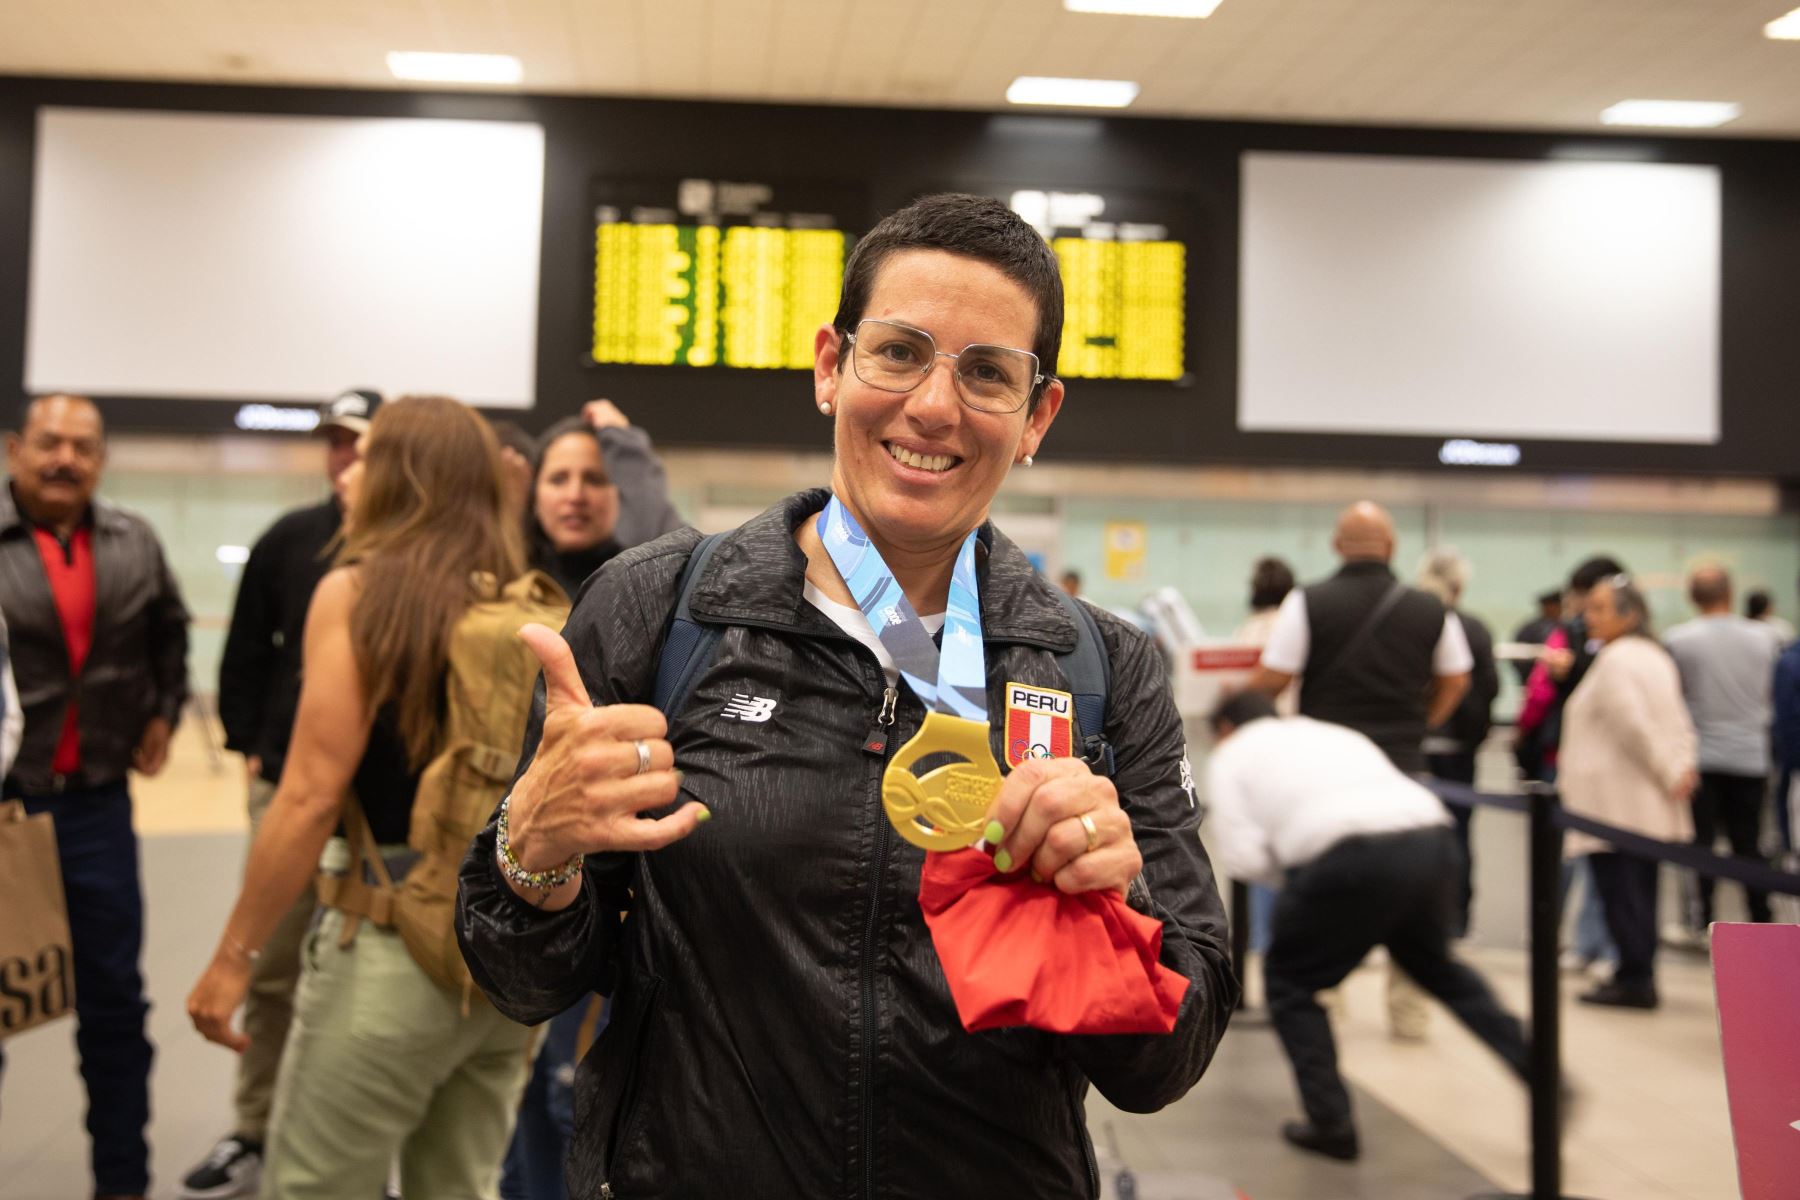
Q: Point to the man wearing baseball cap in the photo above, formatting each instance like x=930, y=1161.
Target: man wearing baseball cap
x=259, y=687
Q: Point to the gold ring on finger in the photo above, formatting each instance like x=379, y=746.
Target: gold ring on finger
x=1093, y=833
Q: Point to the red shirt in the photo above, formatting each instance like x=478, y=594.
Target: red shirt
x=70, y=570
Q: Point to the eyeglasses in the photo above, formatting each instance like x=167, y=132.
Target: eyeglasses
x=896, y=358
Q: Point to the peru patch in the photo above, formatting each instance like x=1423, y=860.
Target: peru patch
x=1040, y=723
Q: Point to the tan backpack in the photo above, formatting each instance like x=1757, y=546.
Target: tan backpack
x=487, y=690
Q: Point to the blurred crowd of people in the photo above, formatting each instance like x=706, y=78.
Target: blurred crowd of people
x=1367, y=685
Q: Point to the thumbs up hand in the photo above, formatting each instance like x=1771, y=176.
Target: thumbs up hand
x=588, y=784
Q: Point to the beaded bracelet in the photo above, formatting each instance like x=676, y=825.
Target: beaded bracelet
x=543, y=881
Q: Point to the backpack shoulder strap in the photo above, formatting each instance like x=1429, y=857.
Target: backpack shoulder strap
x=689, y=645
x=352, y=892
x=1090, y=680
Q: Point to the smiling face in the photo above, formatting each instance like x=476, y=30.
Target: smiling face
x=575, y=503
x=919, y=469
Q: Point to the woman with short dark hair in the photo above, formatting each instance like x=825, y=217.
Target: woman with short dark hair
x=784, y=1023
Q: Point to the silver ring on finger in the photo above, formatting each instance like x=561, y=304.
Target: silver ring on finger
x=643, y=752
x=1093, y=832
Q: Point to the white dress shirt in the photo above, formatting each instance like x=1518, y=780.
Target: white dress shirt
x=1284, y=790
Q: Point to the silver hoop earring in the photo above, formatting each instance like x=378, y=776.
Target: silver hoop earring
x=1026, y=460
x=825, y=407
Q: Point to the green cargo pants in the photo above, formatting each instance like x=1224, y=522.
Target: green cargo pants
x=381, y=1063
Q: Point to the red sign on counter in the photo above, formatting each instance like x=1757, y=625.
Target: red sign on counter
x=1227, y=658
x=1756, y=973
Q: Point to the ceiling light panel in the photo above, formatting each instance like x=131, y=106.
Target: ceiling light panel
x=1672, y=114
x=1072, y=93
x=1785, y=28
x=420, y=66
x=1193, y=9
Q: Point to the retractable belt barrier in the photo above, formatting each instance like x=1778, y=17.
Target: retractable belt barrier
x=1755, y=875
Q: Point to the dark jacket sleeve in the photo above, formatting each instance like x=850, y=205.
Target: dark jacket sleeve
x=1143, y=1073
x=645, y=511
x=1787, y=711
x=168, y=631
x=1473, y=717
x=1484, y=688
x=247, y=667
x=530, y=963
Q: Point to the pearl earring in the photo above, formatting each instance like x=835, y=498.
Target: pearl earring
x=825, y=407
x=1027, y=460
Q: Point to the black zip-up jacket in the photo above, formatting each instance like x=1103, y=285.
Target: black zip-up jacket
x=259, y=672
x=781, y=1025
x=136, y=668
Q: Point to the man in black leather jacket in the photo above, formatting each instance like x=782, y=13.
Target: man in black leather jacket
x=99, y=645
x=794, y=1036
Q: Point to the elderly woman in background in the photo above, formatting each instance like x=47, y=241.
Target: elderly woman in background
x=1628, y=759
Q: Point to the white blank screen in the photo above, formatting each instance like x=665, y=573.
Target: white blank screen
x=1575, y=300
x=284, y=258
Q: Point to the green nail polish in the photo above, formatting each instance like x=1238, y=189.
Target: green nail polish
x=703, y=816
x=995, y=833
x=1002, y=861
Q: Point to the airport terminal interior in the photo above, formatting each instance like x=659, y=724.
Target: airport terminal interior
x=1327, y=266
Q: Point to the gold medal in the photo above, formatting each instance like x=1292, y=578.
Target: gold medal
x=947, y=807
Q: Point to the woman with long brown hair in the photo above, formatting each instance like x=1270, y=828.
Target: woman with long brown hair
x=381, y=1061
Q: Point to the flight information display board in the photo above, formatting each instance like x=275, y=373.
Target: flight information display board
x=706, y=273
x=1124, y=282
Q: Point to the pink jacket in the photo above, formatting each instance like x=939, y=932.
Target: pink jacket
x=1540, y=689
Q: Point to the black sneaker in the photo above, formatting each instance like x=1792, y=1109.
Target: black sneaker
x=1618, y=995
x=1332, y=1143
x=233, y=1169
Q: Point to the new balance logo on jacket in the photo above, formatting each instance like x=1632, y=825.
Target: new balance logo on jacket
x=754, y=709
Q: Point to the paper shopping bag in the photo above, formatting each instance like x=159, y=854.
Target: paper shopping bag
x=37, y=967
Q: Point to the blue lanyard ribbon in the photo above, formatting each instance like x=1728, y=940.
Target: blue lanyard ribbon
x=951, y=681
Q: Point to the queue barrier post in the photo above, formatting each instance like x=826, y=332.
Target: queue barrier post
x=1545, y=884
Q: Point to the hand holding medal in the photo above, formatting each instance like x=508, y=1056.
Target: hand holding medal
x=1061, y=821
x=1052, y=813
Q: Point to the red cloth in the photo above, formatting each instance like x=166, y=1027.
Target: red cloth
x=1018, y=952
x=71, y=575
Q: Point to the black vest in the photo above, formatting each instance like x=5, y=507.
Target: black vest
x=1382, y=690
